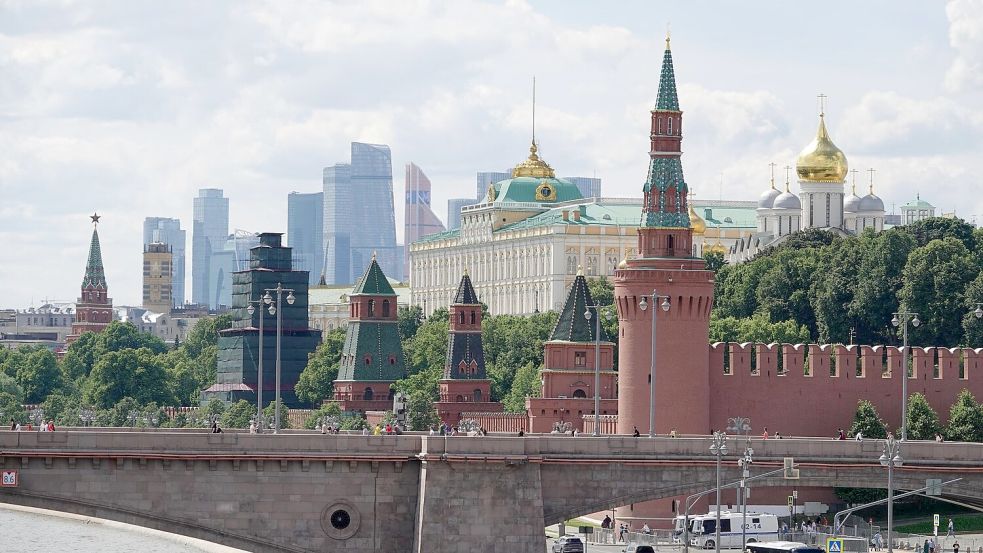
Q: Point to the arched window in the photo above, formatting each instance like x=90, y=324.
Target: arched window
x=472, y=316
x=371, y=308
x=460, y=317
x=385, y=308
x=670, y=243
x=670, y=125
x=658, y=126
x=367, y=395
x=477, y=396
x=579, y=393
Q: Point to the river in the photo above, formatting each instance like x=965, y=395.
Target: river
x=35, y=530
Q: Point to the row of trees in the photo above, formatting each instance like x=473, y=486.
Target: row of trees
x=965, y=422
x=847, y=288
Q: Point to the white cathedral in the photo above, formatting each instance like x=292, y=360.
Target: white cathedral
x=822, y=169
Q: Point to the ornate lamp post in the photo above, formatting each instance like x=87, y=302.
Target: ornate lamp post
x=890, y=459
x=904, y=318
x=132, y=417
x=259, y=369
x=718, y=448
x=643, y=305
x=745, y=464
x=597, y=364
x=37, y=417
x=278, y=311
x=87, y=415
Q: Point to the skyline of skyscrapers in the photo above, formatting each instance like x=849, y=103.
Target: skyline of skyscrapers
x=210, y=230
x=359, y=215
x=168, y=231
x=305, y=232
x=454, y=206
x=484, y=179
x=590, y=187
x=419, y=219
x=158, y=277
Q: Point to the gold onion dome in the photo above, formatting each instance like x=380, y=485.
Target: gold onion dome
x=717, y=248
x=696, y=223
x=821, y=160
x=533, y=166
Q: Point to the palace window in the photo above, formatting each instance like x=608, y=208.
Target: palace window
x=385, y=308
x=579, y=393
x=580, y=358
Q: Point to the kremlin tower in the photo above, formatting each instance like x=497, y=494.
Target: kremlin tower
x=667, y=268
x=94, y=309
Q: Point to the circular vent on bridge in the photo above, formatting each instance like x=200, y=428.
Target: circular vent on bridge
x=340, y=520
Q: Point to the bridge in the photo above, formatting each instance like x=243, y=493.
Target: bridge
x=412, y=493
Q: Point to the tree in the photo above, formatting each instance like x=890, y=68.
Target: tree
x=317, y=381
x=526, y=384
x=833, y=289
x=859, y=496
x=424, y=383
x=935, y=280
x=270, y=411
x=429, y=345
x=757, y=329
x=972, y=327
x=39, y=374
x=136, y=373
x=119, y=336
x=923, y=421
x=330, y=409
x=408, y=321
x=511, y=342
x=239, y=414
x=8, y=385
x=882, y=264
x=965, y=419
x=125, y=412
x=714, y=260
x=783, y=291
x=867, y=421
x=737, y=296
x=601, y=290
x=81, y=356
x=11, y=408
x=421, y=415
x=940, y=228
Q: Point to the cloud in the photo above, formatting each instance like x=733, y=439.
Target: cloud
x=966, y=37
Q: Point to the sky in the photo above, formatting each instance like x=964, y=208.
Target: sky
x=128, y=107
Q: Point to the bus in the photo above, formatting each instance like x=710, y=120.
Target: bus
x=783, y=547
x=703, y=529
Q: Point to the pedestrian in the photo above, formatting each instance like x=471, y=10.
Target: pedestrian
x=764, y=435
x=860, y=436
x=778, y=435
x=432, y=431
x=878, y=541
x=522, y=432
x=51, y=428
x=955, y=547
x=17, y=427
x=252, y=426
x=622, y=530
x=42, y=426
x=952, y=529
x=365, y=430
x=13, y=424
x=646, y=529
x=925, y=547
x=215, y=428
x=840, y=435
x=635, y=433
x=389, y=428
x=377, y=430
x=606, y=523
x=938, y=438
x=573, y=432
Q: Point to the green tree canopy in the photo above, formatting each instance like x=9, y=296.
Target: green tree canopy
x=239, y=414
x=923, y=421
x=940, y=228
x=867, y=421
x=935, y=280
x=965, y=419
x=525, y=384
x=757, y=329
x=601, y=290
x=316, y=383
x=39, y=375
x=882, y=262
x=714, y=260
x=408, y=320
x=783, y=291
x=428, y=347
x=134, y=373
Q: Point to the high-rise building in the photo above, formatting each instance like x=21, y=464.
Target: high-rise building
x=359, y=217
x=420, y=220
x=158, y=275
x=590, y=187
x=305, y=232
x=487, y=178
x=94, y=308
x=454, y=206
x=209, y=233
x=168, y=231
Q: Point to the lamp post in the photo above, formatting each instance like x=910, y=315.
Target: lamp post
x=904, y=318
x=87, y=415
x=745, y=464
x=890, y=458
x=278, y=311
x=259, y=369
x=643, y=305
x=718, y=448
x=597, y=365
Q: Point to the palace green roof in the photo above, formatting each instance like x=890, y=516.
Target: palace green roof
x=620, y=215
x=727, y=217
x=373, y=282
x=523, y=189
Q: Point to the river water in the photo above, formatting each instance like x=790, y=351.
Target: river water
x=34, y=530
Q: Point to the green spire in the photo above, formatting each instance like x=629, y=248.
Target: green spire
x=572, y=326
x=374, y=282
x=95, y=275
x=667, y=99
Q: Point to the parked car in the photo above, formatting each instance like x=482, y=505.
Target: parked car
x=568, y=544
x=639, y=549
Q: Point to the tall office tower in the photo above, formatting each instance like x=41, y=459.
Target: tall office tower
x=158, y=275
x=168, y=231
x=305, y=232
x=420, y=220
x=590, y=187
x=486, y=179
x=359, y=217
x=454, y=206
x=210, y=230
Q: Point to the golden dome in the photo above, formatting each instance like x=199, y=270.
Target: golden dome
x=821, y=160
x=533, y=166
x=696, y=223
x=717, y=248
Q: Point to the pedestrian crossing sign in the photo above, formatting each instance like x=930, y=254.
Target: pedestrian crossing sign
x=834, y=545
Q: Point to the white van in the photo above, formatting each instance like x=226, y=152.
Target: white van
x=703, y=529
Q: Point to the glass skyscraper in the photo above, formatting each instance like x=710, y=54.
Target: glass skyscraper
x=359, y=215
x=209, y=233
x=305, y=232
x=486, y=178
x=419, y=219
x=168, y=231
x=590, y=187
x=454, y=206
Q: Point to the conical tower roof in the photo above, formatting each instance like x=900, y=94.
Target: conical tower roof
x=572, y=326
x=95, y=275
x=667, y=99
x=465, y=292
x=374, y=282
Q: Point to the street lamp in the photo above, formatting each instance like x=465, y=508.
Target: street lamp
x=979, y=311
x=597, y=364
x=259, y=369
x=643, y=305
x=745, y=464
x=905, y=317
x=278, y=311
x=718, y=448
x=132, y=417
x=87, y=416
x=890, y=459
x=37, y=416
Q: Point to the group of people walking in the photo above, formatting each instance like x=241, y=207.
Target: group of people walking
x=45, y=426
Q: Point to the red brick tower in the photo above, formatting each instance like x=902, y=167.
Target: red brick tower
x=94, y=309
x=665, y=265
x=465, y=386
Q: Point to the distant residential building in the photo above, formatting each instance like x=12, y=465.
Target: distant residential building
x=157, y=277
x=590, y=187
x=916, y=210
x=454, y=206
x=359, y=215
x=48, y=324
x=419, y=219
x=208, y=236
x=305, y=232
x=172, y=328
x=485, y=179
x=168, y=231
